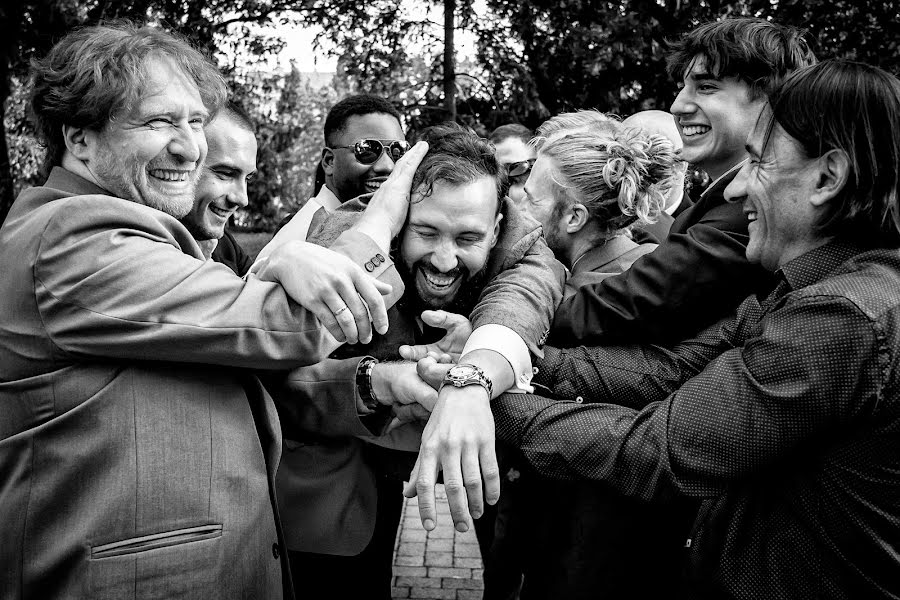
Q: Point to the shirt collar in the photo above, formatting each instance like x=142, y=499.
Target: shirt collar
x=67, y=181
x=327, y=199
x=810, y=268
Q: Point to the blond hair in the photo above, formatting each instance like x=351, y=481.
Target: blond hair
x=621, y=175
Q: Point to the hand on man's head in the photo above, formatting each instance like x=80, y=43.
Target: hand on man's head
x=386, y=212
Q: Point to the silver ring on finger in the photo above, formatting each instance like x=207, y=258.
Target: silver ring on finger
x=339, y=311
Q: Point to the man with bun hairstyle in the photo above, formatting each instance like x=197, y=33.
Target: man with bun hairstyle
x=593, y=179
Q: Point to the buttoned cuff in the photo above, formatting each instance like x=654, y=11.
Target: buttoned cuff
x=363, y=250
x=510, y=345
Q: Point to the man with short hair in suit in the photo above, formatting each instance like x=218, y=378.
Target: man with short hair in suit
x=222, y=187
x=465, y=248
x=137, y=455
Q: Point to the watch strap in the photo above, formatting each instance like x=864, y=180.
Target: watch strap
x=364, y=383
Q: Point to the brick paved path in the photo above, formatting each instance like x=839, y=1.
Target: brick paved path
x=442, y=563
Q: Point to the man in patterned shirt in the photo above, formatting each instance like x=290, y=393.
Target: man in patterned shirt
x=784, y=421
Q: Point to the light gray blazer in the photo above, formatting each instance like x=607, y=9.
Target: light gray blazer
x=137, y=455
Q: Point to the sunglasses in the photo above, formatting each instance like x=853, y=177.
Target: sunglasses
x=518, y=169
x=368, y=152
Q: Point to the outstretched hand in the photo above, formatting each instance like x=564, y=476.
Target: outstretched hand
x=458, y=331
x=458, y=439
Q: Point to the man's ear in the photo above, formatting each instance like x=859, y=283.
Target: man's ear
x=328, y=161
x=496, y=234
x=78, y=142
x=832, y=175
x=577, y=216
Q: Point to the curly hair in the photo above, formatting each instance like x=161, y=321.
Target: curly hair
x=97, y=73
x=620, y=174
x=756, y=51
x=457, y=156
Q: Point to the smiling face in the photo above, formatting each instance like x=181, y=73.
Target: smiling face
x=775, y=187
x=714, y=117
x=346, y=176
x=448, y=238
x=153, y=154
x=222, y=189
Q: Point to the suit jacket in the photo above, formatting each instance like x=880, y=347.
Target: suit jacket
x=697, y=276
x=137, y=455
x=653, y=233
x=229, y=253
x=614, y=257
x=326, y=466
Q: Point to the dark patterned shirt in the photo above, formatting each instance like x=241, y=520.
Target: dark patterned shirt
x=785, y=420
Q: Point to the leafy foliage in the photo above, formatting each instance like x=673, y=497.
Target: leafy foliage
x=535, y=58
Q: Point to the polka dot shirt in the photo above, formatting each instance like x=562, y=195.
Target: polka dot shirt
x=784, y=421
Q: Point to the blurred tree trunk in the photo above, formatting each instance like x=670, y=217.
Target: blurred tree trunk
x=449, y=60
x=10, y=23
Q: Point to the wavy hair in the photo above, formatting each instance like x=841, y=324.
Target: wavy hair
x=756, y=51
x=852, y=107
x=620, y=174
x=97, y=73
x=457, y=156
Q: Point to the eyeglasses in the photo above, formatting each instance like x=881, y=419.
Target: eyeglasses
x=368, y=152
x=519, y=169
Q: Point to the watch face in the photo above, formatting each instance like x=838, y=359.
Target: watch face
x=462, y=371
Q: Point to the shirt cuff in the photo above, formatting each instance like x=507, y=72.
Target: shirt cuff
x=510, y=345
x=363, y=250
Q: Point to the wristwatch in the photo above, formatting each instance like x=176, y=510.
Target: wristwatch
x=463, y=375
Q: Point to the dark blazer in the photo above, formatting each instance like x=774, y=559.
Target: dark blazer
x=697, y=276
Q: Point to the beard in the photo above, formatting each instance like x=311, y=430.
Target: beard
x=461, y=303
x=130, y=180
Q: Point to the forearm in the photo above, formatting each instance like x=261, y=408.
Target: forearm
x=628, y=375
x=598, y=442
x=690, y=281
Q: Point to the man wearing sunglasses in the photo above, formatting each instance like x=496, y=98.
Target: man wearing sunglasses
x=363, y=141
x=515, y=155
